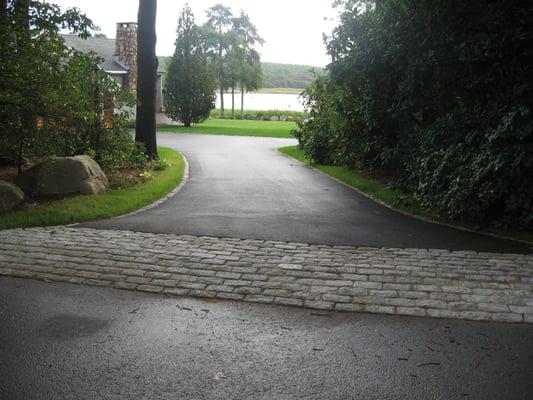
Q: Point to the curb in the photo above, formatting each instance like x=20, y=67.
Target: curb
x=172, y=193
x=386, y=205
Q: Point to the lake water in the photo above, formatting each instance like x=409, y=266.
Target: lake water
x=263, y=101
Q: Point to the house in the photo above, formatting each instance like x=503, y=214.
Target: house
x=120, y=57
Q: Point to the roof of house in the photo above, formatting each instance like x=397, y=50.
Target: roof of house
x=103, y=47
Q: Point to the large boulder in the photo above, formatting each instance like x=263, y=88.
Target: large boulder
x=63, y=176
x=10, y=196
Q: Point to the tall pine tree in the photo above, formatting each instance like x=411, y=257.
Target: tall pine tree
x=190, y=86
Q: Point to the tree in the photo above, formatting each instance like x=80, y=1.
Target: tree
x=247, y=64
x=234, y=62
x=145, y=132
x=190, y=85
x=217, y=30
x=251, y=76
x=55, y=101
x=33, y=57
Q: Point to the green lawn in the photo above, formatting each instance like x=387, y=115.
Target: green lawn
x=392, y=197
x=279, y=129
x=112, y=203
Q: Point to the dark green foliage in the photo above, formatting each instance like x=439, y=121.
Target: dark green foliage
x=74, y=121
x=263, y=115
x=52, y=99
x=437, y=96
x=190, y=85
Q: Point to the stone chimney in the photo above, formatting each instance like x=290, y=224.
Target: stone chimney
x=126, y=52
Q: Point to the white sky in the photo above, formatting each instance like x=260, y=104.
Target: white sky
x=292, y=29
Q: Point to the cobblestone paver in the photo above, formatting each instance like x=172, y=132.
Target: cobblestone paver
x=435, y=283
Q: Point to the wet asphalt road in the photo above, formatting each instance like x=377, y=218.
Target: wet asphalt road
x=240, y=187
x=61, y=341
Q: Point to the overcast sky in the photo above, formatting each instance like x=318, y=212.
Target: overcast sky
x=292, y=28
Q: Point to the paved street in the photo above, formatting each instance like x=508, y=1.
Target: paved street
x=240, y=187
x=62, y=341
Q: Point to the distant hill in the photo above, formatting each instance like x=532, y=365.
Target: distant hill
x=278, y=75
x=289, y=75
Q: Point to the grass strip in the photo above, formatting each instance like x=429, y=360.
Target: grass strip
x=392, y=197
x=378, y=190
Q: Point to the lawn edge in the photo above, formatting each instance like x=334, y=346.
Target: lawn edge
x=390, y=207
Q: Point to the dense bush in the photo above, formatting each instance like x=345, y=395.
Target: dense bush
x=437, y=96
x=55, y=101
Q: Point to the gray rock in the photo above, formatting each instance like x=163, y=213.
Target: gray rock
x=63, y=176
x=10, y=196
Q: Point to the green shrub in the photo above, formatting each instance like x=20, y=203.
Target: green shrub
x=54, y=100
x=437, y=97
x=261, y=115
x=161, y=165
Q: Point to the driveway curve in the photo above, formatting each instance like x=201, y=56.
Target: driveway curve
x=241, y=187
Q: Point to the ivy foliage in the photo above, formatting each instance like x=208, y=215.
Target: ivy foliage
x=438, y=97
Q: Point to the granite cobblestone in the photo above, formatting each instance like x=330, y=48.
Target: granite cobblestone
x=414, y=282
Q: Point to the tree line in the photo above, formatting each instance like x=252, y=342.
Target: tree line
x=277, y=75
x=294, y=76
x=220, y=54
x=436, y=97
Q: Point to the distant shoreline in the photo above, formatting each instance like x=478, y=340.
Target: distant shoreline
x=272, y=91
x=281, y=90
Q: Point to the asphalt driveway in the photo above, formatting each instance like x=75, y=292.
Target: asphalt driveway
x=62, y=341
x=241, y=187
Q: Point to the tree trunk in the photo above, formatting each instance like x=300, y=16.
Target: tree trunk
x=242, y=102
x=97, y=126
x=221, y=78
x=233, y=102
x=145, y=131
x=221, y=101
